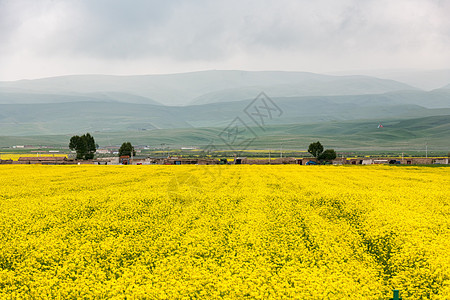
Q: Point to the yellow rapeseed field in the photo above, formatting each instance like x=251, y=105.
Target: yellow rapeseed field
x=258, y=232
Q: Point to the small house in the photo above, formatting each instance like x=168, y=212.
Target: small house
x=440, y=161
x=240, y=160
x=124, y=160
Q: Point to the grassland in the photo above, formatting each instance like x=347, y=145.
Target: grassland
x=165, y=232
x=398, y=135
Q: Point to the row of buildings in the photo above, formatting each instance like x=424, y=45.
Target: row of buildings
x=346, y=161
x=54, y=160
x=125, y=160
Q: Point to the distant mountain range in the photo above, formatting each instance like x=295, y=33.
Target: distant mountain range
x=425, y=80
x=188, y=104
x=191, y=88
x=68, y=117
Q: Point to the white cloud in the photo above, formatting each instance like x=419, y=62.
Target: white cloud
x=47, y=38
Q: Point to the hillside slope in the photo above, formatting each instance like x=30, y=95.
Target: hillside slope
x=200, y=87
x=400, y=135
x=75, y=117
x=424, y=79
x=37, y=97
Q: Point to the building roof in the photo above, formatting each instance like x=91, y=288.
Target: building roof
x=43, y=158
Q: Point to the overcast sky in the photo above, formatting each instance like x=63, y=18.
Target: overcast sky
x=40, y=38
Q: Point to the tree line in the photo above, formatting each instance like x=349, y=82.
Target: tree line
x=86, y=147
x=316, y=150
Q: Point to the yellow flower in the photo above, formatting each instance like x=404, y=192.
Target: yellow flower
x=263, y=232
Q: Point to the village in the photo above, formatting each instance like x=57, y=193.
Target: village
x=127, y=160
x=127, y=154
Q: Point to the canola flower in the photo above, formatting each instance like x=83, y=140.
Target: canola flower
x=232, y=232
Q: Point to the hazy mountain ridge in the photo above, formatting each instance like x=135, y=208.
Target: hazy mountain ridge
x=335, y=108
x=200, y=87
x=42, y=98
x=69, y=117
x=424, y=79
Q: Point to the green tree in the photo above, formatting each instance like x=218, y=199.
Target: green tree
x=126, y=149
x=77, y=144
x=84, y=146
x=328, y=155
x=315, y=149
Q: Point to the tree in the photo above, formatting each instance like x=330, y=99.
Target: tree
x=84, y=146
x=315, y=149
x=328, y=155
x=77, y=144
x=126, y=149
x=90, y=146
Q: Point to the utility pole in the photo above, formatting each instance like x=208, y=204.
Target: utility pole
x=281, y=151
x=131, y=160
x=162, y=148
x=426, y=149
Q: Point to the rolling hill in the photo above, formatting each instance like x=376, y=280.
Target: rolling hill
x=424, y=79
x=193, y=108
x=77, y=117
x=362, y=135
x=191, y=88
x=34, y=98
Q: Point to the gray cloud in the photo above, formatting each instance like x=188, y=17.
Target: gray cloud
x=40, y=38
